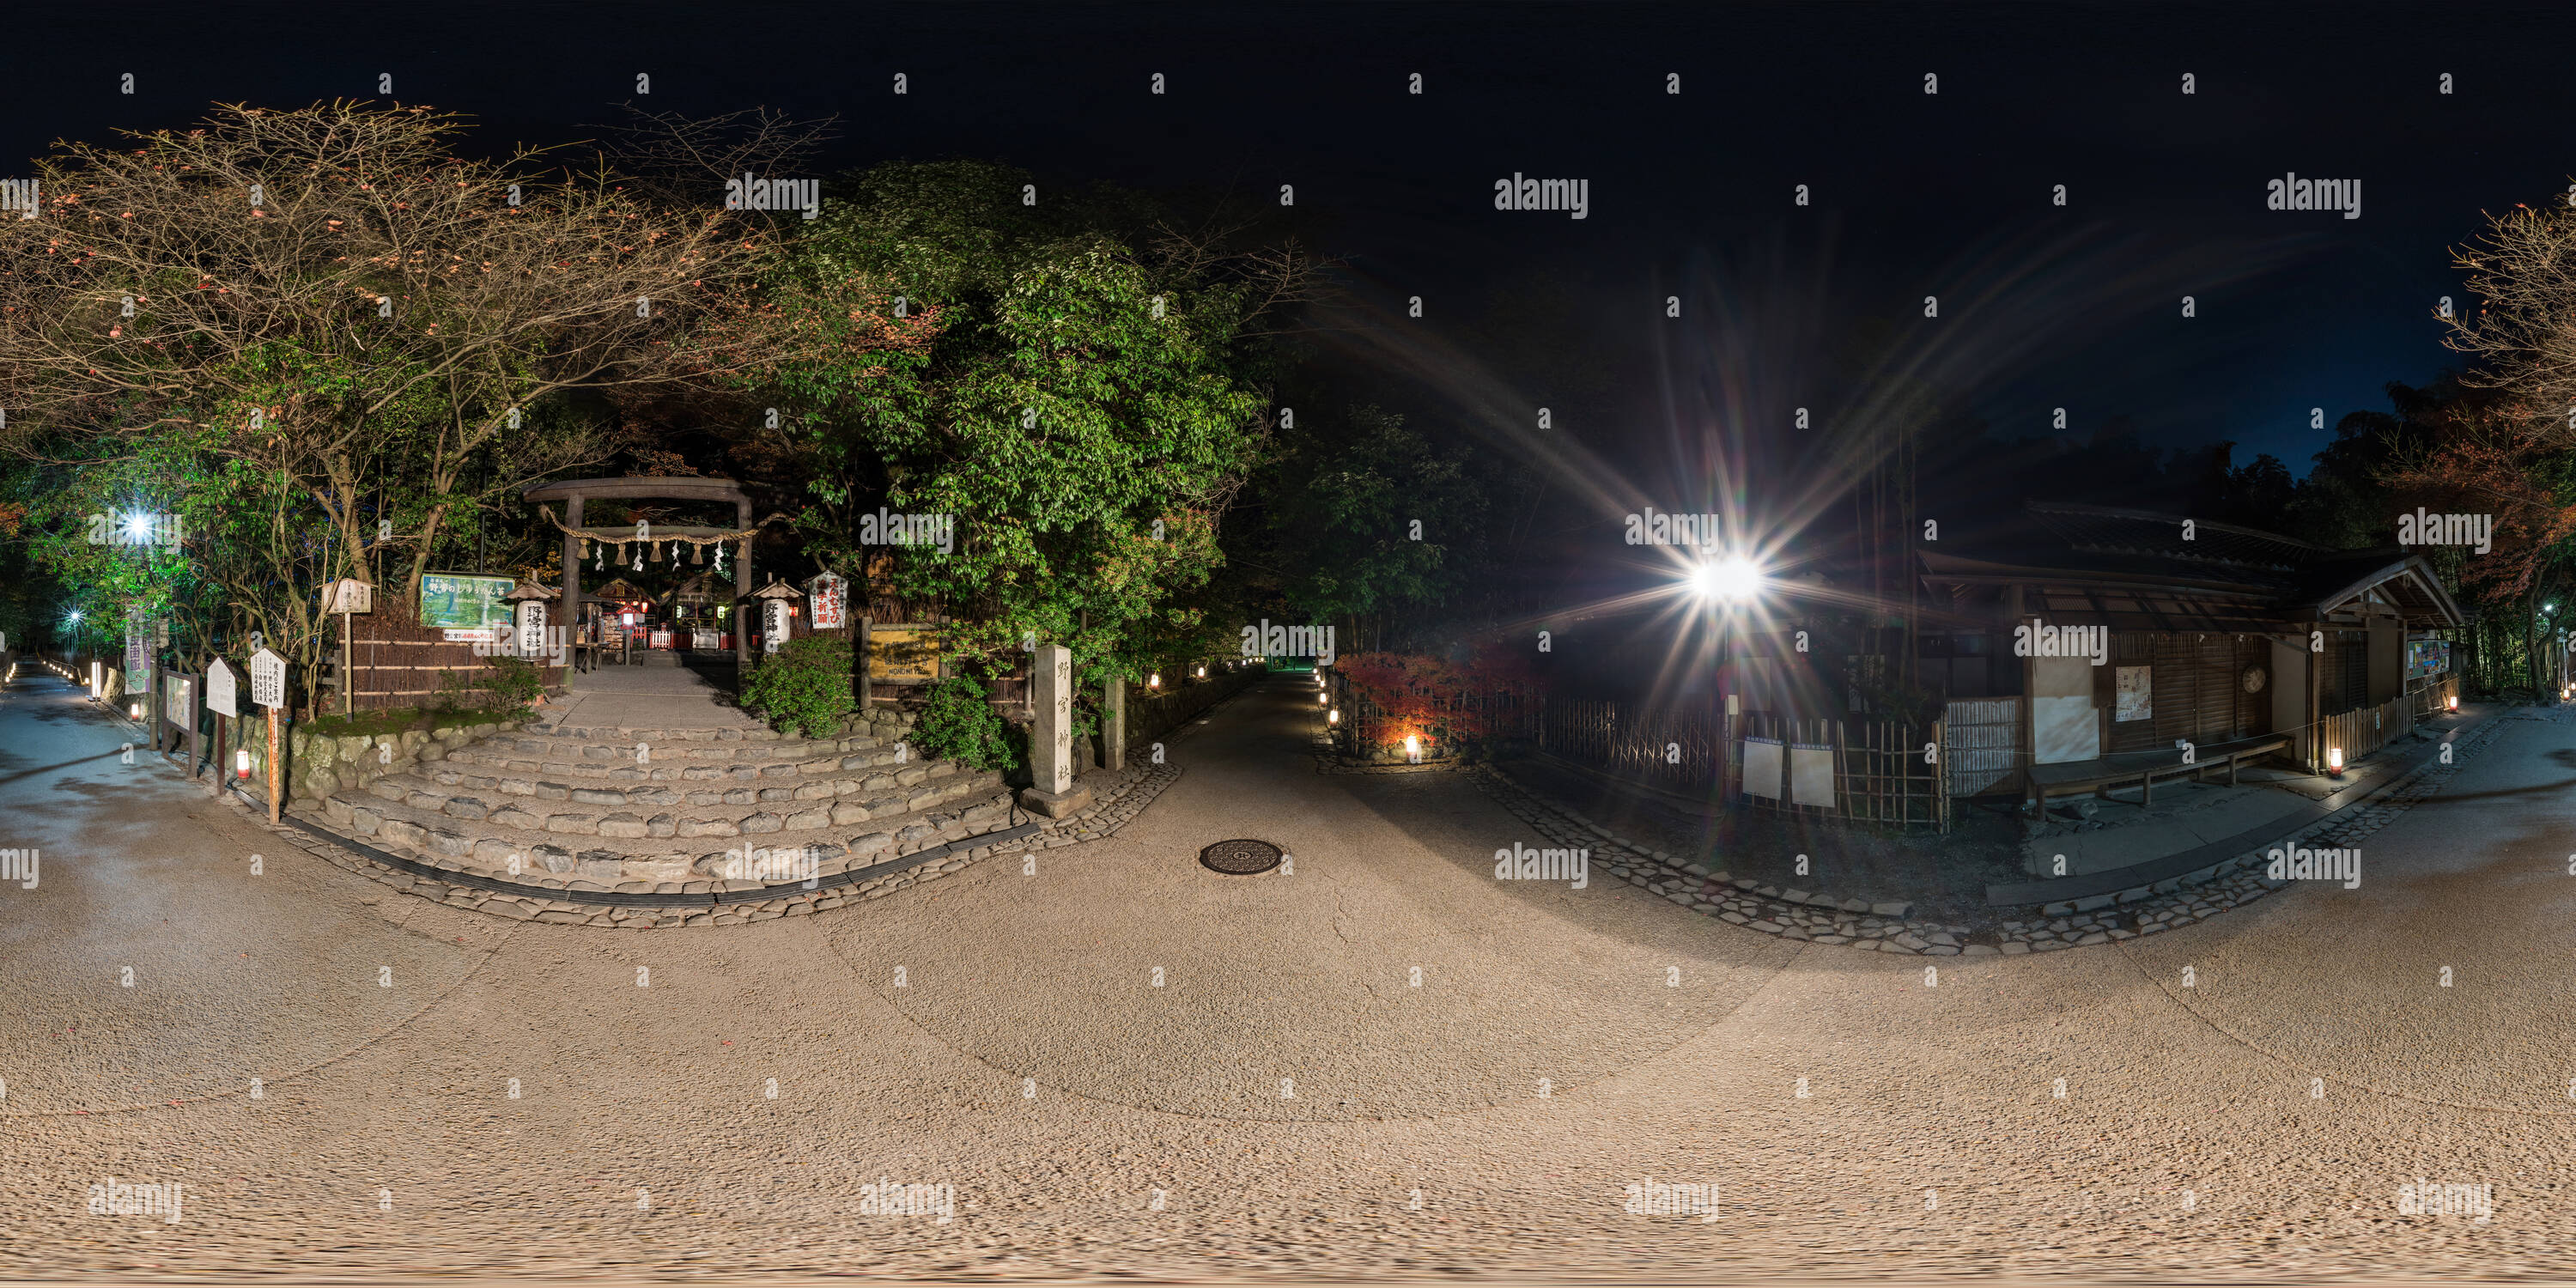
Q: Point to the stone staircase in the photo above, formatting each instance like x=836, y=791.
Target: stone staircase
x=670, y=811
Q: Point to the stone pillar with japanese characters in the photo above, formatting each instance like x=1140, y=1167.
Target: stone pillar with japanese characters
x=1051, y=737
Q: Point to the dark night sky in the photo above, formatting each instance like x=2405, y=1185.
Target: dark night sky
x=1914, y=195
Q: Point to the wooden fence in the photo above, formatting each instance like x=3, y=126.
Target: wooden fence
x=396, y=664
x=2363, y=730
x=2357, y=732
x=1674, y=750
x=2435, y=698
x=1981, y=743
x=1866, y=772
x=1869, y=772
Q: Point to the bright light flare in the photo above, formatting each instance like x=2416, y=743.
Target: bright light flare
x=1733, y=579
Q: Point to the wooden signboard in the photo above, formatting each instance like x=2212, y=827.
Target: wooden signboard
x=903, y=654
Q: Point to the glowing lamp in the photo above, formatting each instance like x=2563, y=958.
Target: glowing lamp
x=241, y=763
x=1334, y=716
x=1734, y=579
x=2455, y=702
x=1154, y=681
x=1203, y=673
x=2334, y=762
x=1413, y=748
x=134, y=710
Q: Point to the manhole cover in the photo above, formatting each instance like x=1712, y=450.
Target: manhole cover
x=1240, y=858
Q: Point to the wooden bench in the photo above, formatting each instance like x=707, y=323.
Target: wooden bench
x=2076, y=777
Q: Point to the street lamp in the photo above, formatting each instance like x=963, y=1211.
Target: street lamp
x=1733, y=579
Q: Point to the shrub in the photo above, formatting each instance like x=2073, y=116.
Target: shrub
x=959, y=724
x=804, y=687
x=511, y=684
x=514, y=682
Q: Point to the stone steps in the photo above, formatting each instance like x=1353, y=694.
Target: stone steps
x=623, y=848
x=640, y=756
x=505, y=762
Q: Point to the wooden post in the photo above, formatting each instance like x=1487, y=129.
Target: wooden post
x=867, y=689
x=276, y=766
x=221, y=769
x=568, y=615
x=2316, y=681
x=348, y=678
x=742, y=595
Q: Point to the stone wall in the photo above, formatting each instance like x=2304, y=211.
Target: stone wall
x=319, y=764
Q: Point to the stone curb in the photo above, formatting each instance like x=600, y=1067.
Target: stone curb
x=1102, y=819
x=1883, y=927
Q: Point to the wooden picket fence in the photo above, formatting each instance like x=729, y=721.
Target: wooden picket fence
x=2358, y=732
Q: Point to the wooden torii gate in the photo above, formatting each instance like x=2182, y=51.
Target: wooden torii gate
x=573, y=492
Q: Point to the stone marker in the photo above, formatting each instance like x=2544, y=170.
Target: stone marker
x=1051, y=737
x=1113, y=723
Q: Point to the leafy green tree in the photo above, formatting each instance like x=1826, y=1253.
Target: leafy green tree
x=1088, y=401
x=1343, y=521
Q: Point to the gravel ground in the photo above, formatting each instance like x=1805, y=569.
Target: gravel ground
x=1288, y=1102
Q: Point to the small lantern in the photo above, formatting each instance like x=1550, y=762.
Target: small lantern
x=241, y=763
x=1333, y=717
x=135, y=710
x=1202, y=672
x=1322, y=700
x=2455, y=702
x=2334, y=762
x=1413, y=749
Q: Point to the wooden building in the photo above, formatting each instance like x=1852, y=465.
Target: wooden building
x=2207, y=633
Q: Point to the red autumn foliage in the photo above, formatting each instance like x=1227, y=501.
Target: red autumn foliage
x=1450, y=706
